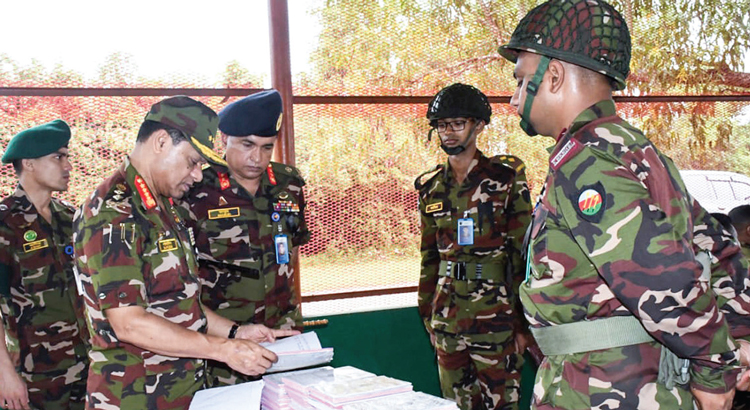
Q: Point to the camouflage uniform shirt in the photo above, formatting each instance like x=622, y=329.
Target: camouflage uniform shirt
x=130, y=252
x=495, y=196
x=41, y=305
x=613, y=236
x=235, y=232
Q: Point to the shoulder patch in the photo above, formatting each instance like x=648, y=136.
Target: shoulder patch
x=418, y=184
x=590, y=202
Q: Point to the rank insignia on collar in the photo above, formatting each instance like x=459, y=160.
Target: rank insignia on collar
x=35, y=246
x=148, y=199
x=222, y=213
x=590, y=203
x=437, y=206
x=224, y=180
x=167, y=245
x=29, y=236
x=271, y=176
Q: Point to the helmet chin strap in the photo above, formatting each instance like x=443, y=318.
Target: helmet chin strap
x=531, y=89
x=461, y=147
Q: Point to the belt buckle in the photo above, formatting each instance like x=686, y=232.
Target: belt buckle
x=459, y=270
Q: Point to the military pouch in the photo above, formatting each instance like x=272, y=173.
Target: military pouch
x=672, y=369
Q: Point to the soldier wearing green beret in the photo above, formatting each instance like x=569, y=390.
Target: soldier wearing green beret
x=38, y=298
x=248, y=221
x=616, y=293
x=150, y=332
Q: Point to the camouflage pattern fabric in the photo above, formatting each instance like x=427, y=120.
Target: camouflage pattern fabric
x=474, y=320
x=43, y=309
x=131, y=252
x=234, y=234
x=730, y=277
x=613, y=236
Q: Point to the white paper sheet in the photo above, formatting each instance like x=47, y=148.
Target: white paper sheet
x=298, y=351
x=245, y=396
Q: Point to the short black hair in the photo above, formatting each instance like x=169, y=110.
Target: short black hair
x=149, y=127
x=740, y=216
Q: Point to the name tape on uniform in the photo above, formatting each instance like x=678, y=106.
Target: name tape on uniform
x=166, y=245
x=222, y=213
x=35, y=246
x=434, y=207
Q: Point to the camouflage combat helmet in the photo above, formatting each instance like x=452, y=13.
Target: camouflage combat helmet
x=588, y=33
x=459, y=100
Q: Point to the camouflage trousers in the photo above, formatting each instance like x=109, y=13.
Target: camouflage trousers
x=56, y=392
x=479, y=372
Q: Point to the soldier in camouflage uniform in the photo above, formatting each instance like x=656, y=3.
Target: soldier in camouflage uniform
x=740, y=217
x=474, y=212
x=242, y=217
x=615, y=295
x=38, y=297
x=136, y=263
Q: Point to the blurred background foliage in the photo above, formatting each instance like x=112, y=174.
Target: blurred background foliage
x=360, y=160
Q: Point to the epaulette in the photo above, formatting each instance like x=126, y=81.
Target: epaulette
x=285, y=174
x=118, y=198
x=284, y=169
x=418, y=182
x=510, y=161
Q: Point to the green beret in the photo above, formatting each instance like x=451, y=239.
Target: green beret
x=37, y=141
x=199, y=123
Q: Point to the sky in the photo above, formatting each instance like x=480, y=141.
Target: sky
x=162, y=37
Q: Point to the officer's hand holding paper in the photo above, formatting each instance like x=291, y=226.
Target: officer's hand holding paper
x=298, y=351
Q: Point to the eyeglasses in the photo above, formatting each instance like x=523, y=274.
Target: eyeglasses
x=458, y=125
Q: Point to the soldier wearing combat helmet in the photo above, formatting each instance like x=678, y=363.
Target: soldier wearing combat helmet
x=474, y=211
x=150, y=331
x=38, y=297
x=614, y=294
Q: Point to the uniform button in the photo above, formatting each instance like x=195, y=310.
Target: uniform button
x=102, y=295
x=122, y=295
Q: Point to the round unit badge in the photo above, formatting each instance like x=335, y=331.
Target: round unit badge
x=69, y=250
x=590, y=202
x=29, y=236
x=275, y=217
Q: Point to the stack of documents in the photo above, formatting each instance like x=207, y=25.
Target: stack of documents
x=299, y=386
x=283, y=388
x=336, y=394
x=403, y=401
x=298, y=351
